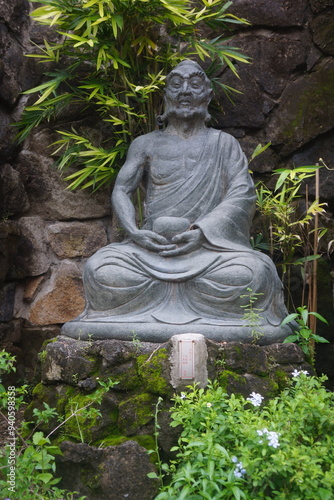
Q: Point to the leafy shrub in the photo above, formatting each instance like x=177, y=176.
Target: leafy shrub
x=236, y=448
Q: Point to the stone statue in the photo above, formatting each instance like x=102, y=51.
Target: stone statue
x=190, y=267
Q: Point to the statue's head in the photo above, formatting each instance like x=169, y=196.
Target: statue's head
x=188, y=92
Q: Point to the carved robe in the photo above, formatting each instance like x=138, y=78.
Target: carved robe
x=125, y=283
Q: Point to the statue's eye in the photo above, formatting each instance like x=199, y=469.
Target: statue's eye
x=196, y=82
x=176, y=82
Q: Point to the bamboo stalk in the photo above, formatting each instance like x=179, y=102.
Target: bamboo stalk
x=314, y=297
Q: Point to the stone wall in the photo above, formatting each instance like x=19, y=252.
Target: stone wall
x=47, y=232
x=115, y=464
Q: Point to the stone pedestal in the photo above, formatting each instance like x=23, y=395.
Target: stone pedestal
x=144, y=372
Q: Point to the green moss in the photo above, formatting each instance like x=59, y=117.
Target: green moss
x=281, y=379
x=90, y=478
x=317, y=89
x=274, y=389
x=144, y=440
x=127, y=376
x=153, y=372
x=136, y=412
x=80, y=421
x=232, y=382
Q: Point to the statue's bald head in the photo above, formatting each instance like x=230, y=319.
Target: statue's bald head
x=188, y=66
x=188, y=92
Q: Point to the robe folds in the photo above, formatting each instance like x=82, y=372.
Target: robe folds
x=125, y=283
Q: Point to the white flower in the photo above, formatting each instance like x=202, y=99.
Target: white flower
x=271, y=436
x=209, y=405
x=239, y=471
x=255, y=398
x=273, y=439
x=296, y=373
x=183, y=396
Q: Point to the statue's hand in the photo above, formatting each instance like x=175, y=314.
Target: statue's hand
x=151, y=241
x=187, y=242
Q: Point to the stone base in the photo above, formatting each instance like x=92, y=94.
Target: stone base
x=162, y=332
x=115, y=464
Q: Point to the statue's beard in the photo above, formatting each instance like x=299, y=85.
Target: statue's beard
x=198, y=112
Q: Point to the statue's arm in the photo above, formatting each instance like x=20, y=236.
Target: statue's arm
x=128, y=180
x=230, y=221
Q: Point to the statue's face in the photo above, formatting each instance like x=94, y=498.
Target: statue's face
x=187, y=93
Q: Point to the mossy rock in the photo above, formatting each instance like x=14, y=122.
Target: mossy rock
x=125, y=375
x=147, y=441
x=135, y=413
x=55, y=396
x=242, y=358
x=232, y=382
x=244, y=385
x=154, y=371
x=96, y=422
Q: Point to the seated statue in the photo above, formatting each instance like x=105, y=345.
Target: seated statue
x=190, y=267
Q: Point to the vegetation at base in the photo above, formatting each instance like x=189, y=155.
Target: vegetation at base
x=303, y=335
x=235, y=448
x=109, y=64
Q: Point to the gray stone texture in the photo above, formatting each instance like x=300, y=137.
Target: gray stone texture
x=115, y=472
x=297, y=120
x=273, y=14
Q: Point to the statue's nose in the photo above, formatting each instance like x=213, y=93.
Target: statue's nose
x=185, y=87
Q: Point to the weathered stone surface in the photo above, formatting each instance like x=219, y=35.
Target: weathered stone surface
x=61, y=299
x=296, y=120
x=29, y=253
x=286, y=354
x=44, y=183
x=319, y=5
x=7, y=134
x=323, y=32
x=112, y=473
x=32, y=287
x=274, y=57
x=31, y=341
x=13, y=198
x=241, y=358
x=321, y=147
x=76, y=239
x=67, y=362
x=250, y=101
x=9, y=241
x=14, y=14
x=17, y=72
x=7, y=297
x=72, y=370
x=246, y=384
x=274, y=13
x=136, y=412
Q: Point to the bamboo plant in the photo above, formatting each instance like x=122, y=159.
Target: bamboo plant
x=110, y=63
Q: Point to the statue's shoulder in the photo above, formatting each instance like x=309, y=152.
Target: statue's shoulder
x=145, y=142
x=223, y=136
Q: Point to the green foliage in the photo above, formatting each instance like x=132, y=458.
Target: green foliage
x=232, y=448
x=251, y=316
x=289, y=224
x=116, y=53
x=304, y=336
